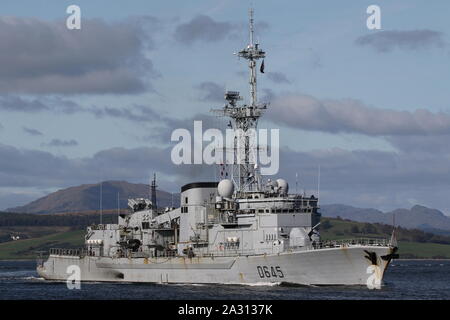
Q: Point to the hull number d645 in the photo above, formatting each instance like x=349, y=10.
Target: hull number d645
x=270, y=272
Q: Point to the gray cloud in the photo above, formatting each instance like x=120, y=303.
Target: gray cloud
x=370, y=178
x=202, y=28
x=352, y=116
x=432, y=144
x=386, y=41
x=278, y=77
x=24, y=168
x=136, y=113
x=365, y=178
x=45, y=57
x=61, y=143
x=32, y=132
x=18, y=104
x=268, y=95
x=260, y=26
x=298, y=111
x=314, y=59
x=211, y=91
x=13, y=103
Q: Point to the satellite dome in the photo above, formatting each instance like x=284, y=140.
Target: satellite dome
x=225, y=188
x=272, y=185
x=283, y=186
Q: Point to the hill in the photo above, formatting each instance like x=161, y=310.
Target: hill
x=419, y=217
x=413, y=243
x=87, y=197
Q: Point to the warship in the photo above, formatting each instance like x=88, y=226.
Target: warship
x=239, y=230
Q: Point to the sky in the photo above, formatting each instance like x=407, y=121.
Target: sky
x=370, y=107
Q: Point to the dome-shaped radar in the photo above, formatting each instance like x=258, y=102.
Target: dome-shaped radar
x=273, y=184
x=225, y=188
x=283, y=186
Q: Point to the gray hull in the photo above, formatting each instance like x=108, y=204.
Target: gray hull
x=332, y=266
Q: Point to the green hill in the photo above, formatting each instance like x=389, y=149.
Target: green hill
x=412, y=243
x=26, y=249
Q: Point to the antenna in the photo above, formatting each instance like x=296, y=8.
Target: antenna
x=250, y=14
x=153, y=191
x=318, y=186
x=245, y=120
x=393, y=240
x=118, y=204
x=101, y=202
x=296, y=182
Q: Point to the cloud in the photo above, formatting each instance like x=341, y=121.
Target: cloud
x=211, y=91
x=369, y=178
x=352, y=116
x=202, y=28
x=54, y=104
x=135, y=113
x=314, y=59
x=25, y=168
x=61, y=143
x=45, y=57
x=432, y=144
x=18, y=104
x=386, y=41
x=268, y=95
x=32, y=132
x=278, y=77
x=366, y=178
x=260, y=26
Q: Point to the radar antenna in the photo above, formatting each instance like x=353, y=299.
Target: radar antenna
x=245, y=117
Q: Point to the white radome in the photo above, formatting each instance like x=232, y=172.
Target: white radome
x=225, y=188
x=283, y=186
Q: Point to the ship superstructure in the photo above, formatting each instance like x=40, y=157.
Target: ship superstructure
x=238, y=230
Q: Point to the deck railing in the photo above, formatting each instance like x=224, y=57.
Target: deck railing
x=349, y=242
x=234, y=252
x=68, y=252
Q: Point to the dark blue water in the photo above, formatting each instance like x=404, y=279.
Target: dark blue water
x=427, y=279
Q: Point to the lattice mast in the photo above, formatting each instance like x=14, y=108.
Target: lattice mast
x=153, y=193
x=245, y=173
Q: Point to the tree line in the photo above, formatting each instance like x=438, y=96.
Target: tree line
x=9, y=219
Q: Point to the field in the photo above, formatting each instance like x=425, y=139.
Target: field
x=27, y=248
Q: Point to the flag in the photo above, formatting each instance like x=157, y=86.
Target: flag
x=262, y=67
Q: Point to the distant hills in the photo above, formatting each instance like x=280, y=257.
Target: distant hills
x=87, y=198
x=418, y=217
